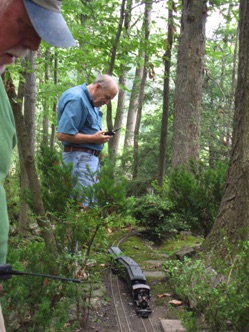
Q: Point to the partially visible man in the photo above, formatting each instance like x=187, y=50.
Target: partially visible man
x=80, y=128
x=23, y=23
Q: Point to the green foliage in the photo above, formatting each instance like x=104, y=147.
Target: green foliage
x=56, y=181
x=108, y=193
x=196, y=194
x=40, y=304
x=149, y=138
x=79, y=232
x=112, y=188
x=35, y=302
x=12, y=189
x=157, y=216
x=79, y=243
x=72, y=226
x=188, y=199
x=192, y=198
x=223, y=299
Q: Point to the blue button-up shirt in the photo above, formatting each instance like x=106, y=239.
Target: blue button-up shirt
x=76, y=114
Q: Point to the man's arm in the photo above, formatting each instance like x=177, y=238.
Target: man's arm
x=97, y=138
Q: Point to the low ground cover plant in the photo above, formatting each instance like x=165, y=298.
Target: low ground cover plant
x=219, y=294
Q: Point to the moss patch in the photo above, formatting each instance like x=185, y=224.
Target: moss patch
x=147, y=250
x=179, y=241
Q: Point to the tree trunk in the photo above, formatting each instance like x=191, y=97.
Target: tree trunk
x=28, y=91
x=133, y=107
x=29, y=164
x=53, y=133
x=188, y=92
x=30, y=99
x=45, y=122
x=230, y=107
x=147, y=21
x=114, y=143
x=232, y=221
x=165, y=115
x=23, y=213
x=112, y=61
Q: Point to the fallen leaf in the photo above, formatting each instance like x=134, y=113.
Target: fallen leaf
x=45, y=281
x=67, y=324
x=163, y=295
x=175, y=302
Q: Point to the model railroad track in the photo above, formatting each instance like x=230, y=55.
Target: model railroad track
x=122, y=313
x=118, y=242
x=127, y=319
x=130, y=298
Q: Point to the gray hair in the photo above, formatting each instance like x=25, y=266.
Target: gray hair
x=105, y=81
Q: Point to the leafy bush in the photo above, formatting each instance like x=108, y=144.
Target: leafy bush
x=80, y=231
x=196, y=194
x=58, y=189
x=35, y=303
x=40, y=304
x=157, y=216
x=43, y=304
x=56, y=180
x=111, y=189
x=188, y=200
x=223, y=299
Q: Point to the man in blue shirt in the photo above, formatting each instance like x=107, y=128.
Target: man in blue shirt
x=80, y=128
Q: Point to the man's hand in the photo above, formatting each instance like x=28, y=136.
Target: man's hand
x=101, y=138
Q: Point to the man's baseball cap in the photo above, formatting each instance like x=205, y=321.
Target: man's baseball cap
x=46, y=17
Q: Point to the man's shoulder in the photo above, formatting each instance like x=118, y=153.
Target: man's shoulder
x=77, y=90
x=81, y=87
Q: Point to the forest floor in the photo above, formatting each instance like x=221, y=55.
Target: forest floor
x=150, y=257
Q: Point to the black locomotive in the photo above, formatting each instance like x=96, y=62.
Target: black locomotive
x=131, y=272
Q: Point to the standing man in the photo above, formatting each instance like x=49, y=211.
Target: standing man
x=80, y=127
x=23, y=23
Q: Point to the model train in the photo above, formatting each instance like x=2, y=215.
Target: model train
x=130, y=271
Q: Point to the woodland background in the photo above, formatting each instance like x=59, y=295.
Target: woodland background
x=180, y=160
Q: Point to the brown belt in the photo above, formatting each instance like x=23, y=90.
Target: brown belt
x=72, y=148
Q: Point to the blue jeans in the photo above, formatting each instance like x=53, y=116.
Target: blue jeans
x=85, y=171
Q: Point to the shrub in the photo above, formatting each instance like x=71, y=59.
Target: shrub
x=56, y=181
x=196, y=194
x=35, y=303
x=221, y=297
x=157, y=216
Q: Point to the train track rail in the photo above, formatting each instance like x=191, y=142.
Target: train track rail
x=127, y=319
x=121, y=240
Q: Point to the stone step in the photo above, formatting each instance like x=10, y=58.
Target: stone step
x=171, y=325
x=154, y=274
